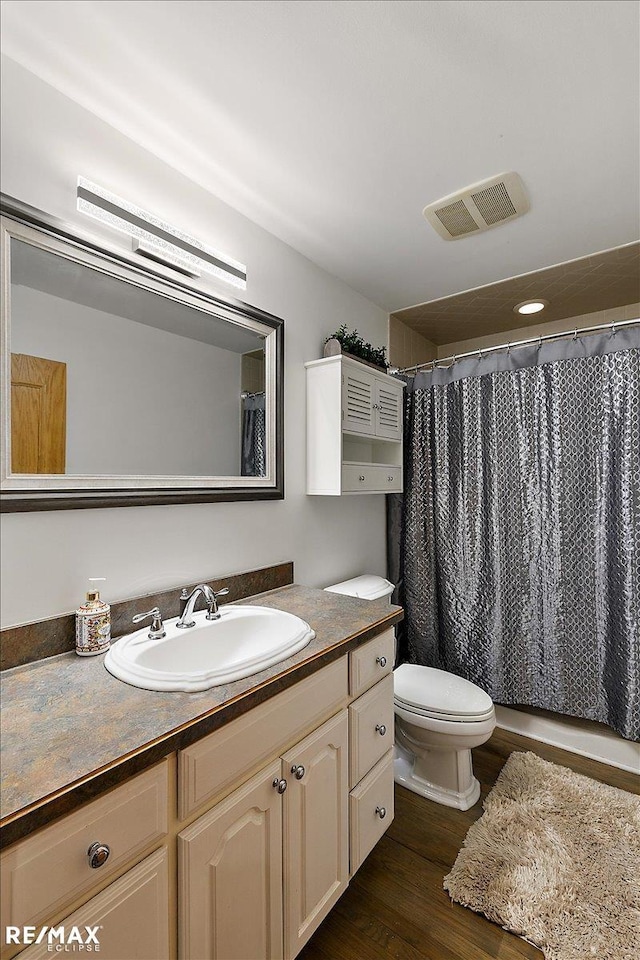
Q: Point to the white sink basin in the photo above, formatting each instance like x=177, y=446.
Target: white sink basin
x=242, y=642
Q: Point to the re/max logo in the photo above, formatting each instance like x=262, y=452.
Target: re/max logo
x=58, y=939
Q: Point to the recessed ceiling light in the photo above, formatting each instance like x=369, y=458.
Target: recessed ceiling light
x=530, y=306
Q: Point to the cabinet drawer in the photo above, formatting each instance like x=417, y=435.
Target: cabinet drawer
x=365, y=478
x=221, y=759
x=370, y=728
x=51, y=868
x=371, y=810
x=131, y=914
x=371, y=662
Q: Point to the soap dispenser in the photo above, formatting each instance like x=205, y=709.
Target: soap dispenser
x=93, y=622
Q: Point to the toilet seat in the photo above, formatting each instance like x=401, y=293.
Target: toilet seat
x=445, y=717
x=437, y=694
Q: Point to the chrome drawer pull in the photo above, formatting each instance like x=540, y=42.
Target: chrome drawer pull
x=381, y=729
x=298, y=771
x=382, y=661
x=382, y=812
x=98, y=854
x=280, y=785
x=361, y=477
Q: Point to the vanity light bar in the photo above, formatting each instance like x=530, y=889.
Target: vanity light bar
x=158, y=237
x=159, y=255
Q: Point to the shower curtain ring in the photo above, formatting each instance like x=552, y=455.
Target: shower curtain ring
x=508, y=349
x=479, y=354
x=613, y=329
x=575, y=333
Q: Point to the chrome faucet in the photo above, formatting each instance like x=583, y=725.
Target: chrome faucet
x=211, y=598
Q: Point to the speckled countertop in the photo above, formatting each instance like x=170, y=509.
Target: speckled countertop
x=70, y=730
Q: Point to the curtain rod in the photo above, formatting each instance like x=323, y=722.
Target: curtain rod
x=516, y=343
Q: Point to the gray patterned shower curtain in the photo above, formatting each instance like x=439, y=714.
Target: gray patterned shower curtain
x=253, y=454
x=516, y=545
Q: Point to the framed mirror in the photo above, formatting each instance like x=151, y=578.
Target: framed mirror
x=126, y=385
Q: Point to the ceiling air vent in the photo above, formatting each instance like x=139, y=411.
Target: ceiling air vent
x=479, y=207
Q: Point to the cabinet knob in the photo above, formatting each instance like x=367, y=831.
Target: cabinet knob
x=98, y=854
x=382, y=661
x=390, y=479
x=298, y=771
x=381, y=729
x=382, y=812
x=280, y=785
x=361, y=477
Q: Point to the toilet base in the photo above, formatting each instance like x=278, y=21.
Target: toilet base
x=467, y=794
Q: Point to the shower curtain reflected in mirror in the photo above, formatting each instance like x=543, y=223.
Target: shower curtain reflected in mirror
x=254, y=441
x=517, y=542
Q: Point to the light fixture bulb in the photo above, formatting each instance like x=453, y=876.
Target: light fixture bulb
x=530, y=306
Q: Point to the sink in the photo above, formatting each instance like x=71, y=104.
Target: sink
x=245, y=640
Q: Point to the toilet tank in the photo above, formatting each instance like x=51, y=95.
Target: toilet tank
x=367, y=587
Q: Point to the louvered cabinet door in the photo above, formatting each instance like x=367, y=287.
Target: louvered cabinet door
x=387, y=405
x=357, y=402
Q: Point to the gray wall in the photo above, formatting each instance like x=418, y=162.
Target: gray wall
x=48, y=140
x=139, y=400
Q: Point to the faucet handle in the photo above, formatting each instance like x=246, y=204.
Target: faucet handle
x=212, y=602
x=157, y=631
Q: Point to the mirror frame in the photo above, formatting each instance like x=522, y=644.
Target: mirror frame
x=27, y=492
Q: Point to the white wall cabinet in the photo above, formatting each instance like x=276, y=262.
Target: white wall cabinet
x=354, y=428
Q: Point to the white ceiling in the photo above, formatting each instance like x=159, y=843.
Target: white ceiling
x=332, y=124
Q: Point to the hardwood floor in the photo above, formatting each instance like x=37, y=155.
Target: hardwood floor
x=395, y=906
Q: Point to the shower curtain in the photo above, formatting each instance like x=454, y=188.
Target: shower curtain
x=254, y=445
x=516, y=545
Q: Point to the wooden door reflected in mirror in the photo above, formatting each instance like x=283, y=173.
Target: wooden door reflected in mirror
x=38, y=414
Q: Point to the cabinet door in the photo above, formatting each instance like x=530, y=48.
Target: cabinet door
x=357, y=401
x=129, y=919
x=387, y=404
x=316, y=829
x=230, y=876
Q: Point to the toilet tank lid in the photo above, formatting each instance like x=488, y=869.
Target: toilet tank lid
x=368, y=587
x=439, y=691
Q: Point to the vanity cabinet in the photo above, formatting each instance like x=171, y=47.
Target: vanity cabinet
x=130, y=916
x=260, y=871
x=316, y=829
x=49, y=872
x=354, y=428
x=371, y=725
x=238, y=845
x=230, y=866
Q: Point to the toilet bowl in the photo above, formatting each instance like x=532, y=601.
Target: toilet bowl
x=439, y=719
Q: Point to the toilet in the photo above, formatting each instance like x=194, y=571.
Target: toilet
x=440, y=718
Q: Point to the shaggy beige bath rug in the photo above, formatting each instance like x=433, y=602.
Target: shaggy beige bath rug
x=555, y=858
